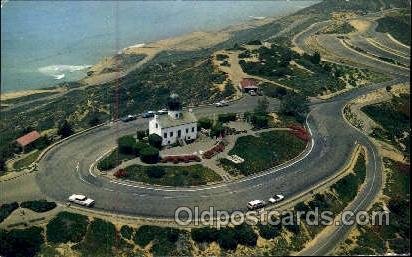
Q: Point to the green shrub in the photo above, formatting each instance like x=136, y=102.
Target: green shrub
x=149, y=154
x=140, y=134
x=39, y=206
x=100, y=239
x=226, y=117
x=6, y=209
x=205, y=123
x=67, y=227
x=127, y=145
x=205, y=234
x=21, y=242
x=269, y=231
x=227, y=238
x=164, y=239
x=155, y=140
x=245, y=235
x=126, y=232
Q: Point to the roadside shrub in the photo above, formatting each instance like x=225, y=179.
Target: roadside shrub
x=99, y=240
x=155, y=140
x=269, y=231
x=245, y=235
x=140, y=134
x=205, y=234
x=146, y=233
x=217, y=130
x=120, y=173
x=67, y=227
x=155, y=172
x=39, y=206
x=21, y=242
x=127, y=145
x=126, y=231
x=204, y=123
x=226, y=117
x=6, y=209
x=227, y=239
x=149, y=154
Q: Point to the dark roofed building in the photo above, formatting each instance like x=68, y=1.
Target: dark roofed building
x=248, y=84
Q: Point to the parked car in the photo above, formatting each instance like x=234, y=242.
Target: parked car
x=276, y=198
x=252, y=92
x=161, y=112
x=81, y=200
x=128, y=118
x=221, y=103
x=148, y=114
x=256, y=204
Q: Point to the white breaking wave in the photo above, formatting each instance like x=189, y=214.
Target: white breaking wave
x=59, y=71
x=59, y=76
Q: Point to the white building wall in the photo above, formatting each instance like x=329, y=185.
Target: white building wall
x=152, y=126
x=190, y=134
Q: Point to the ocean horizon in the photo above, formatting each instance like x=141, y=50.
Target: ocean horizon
x=47, y=42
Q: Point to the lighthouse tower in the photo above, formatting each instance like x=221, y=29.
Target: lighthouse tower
x=174, y=107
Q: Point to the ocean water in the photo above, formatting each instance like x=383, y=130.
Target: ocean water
x=47, y=42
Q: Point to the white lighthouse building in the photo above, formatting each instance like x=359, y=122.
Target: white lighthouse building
x=176, y=125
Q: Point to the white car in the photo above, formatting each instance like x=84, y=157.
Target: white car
x=255, y=204
x=221, y=103
x=161, y=112
x=81, y=199
x=276, y=198
x=252, y=92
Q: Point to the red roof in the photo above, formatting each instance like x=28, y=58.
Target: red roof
x=28, y=138
x=248, y=83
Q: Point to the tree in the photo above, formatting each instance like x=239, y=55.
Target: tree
x=204, y=123
x=262, y=107
x=295, y=105
x=229, y=89
x=94, y=120
x=149, y=154
x=140, y=134
x=245, y=235
x=127, y=145
x=155, y=140
x=65, y=129
x=315, y=59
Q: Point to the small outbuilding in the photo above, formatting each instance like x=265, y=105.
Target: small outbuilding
x=248, y=84
x=28, y=139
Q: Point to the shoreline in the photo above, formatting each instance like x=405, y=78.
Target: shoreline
x=191, y=41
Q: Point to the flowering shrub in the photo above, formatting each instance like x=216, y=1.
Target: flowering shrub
x=215, y=150
x=181, y=158
x=300, y=132
x=120, y=173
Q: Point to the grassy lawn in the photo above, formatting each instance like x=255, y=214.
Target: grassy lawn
x=264, y=151
x=113, y=160
x=172, y=175
x=26, y=161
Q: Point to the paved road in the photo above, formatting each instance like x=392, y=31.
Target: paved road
x=327, y=241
